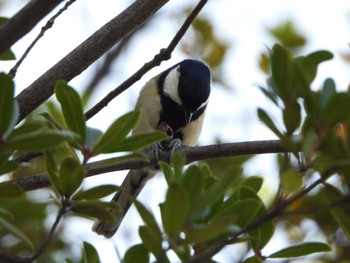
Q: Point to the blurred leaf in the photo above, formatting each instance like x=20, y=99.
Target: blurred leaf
x=97, y=209
x=287, y=34
x=116, y=133
x=92, y=136
x=137, y=254
x=70, y=175
x=253, y=182
x=175, y=209
x=10, y=190
x=311, y=62
x=150, y=242
x=7, y=55
x=204, y=27
x=149, y=220
x=328, y=90
x=292, y=117
x=40, y=140
x=28, y=127
x=72, y=108
x=8, y=116
x=178, y=161
x=261, y=236
x=192, y=182
x=168, y=172
x=52, y=170
x=8, y=226
x=264, y=63
x=337, y=109
x=139, y=141
x=7, y=166
x=301, y=250
x=96, y=192
x=90, y=254
x=216, y=55
x=291, y=181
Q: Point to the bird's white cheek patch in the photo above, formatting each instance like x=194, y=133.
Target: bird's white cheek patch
x=171, y=83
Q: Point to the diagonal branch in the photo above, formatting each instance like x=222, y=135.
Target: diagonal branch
x=86, y=53
x=192, y=154
x=22, y=22
x=164, y=54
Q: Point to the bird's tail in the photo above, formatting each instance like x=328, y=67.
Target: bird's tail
x=131, y=187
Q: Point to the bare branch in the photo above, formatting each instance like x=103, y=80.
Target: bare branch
x=192, y=154
x=86, y=53
x=22, y=22
x=164, y=54
x=48, y=25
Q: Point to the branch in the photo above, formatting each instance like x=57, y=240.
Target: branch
x=192, y=154
x=48, y=25
x=164, y=54
x=86, y=53
x=22, y=22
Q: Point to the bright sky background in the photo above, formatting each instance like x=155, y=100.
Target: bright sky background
x=231, y=114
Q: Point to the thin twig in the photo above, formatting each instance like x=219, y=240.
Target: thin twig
x=48, y=25
x=192, y=154
x=23, y=21
x=163, y=55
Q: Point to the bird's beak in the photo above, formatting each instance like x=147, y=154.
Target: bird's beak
x=188, y=116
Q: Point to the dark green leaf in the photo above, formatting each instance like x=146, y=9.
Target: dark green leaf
x=292, y=117
x=337, y=109
x=178, y=161
x=192, y=181
x=253, y=259
x=8, y=226
x=137, y=254
x=168, y=172
x=70, y=175
x=90, y=254
x=96, y=209
x=41, y=140
x=116, y=133
x=10, y=190
x=328, y=91
x=7, y=55
x=175, y=209
x=301, y=250
x=7, y=166
x=97, y=192
x=149, y=220
x=52, y=170
x=115, y=161
x=72, y=108
x=8, y=117
x=139, y=141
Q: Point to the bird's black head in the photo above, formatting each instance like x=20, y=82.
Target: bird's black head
x=184, y=91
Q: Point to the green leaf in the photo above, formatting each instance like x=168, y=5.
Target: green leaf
x=70, y=175
x=288, y=35
x=39, y=140
x=150, y=242
x=8, y=116
x=139, y=141
x=168, y=172
x=337, y=109
x=253, y=259
x=7, y=166
x=7, y=55
x=149, y=220
x=281, y=69
x=301, y=250
x=213, y=229
x=96, y=209
x=52, y=170
x=178, y=161
x=10, y=190
x=217, y=190
x=291, y=181
x=137, y=254
x=265, y=118
x=175, y=209
x=192, y=181
x=110, y=162
x=72, y=108
x=253, y=182
x=97, y=192
x=16, y=232
x=116, y=133
x=328, y=90
x=90, y=254
x=292, y=117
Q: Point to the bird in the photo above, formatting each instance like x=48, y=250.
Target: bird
x=177, y=98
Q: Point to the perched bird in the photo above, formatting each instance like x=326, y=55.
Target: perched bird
x=177, y=97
